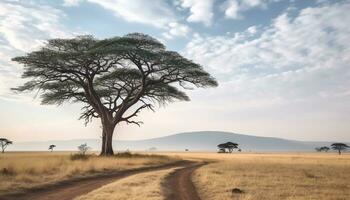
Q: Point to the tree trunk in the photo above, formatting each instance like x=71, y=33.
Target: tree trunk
x=107, y=138
x=103, y=144
x=339, y=151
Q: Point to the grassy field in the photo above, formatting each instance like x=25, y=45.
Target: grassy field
x=137, y=187
x=264, y=176
x=26, y=170
x=274, y=176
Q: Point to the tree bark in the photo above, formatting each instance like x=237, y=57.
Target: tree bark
x=107, y=139
x=103, y=144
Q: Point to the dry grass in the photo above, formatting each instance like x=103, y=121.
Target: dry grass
x=26, y=170
x=261, y=176
x=137, y=187
x=274, y=176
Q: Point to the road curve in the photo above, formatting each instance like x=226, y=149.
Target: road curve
x=179, y=186
x=68, y=190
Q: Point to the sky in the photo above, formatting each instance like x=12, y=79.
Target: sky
x=282, y=65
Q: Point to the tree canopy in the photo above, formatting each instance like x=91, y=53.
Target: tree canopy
x=339, y=147
x=228, y=145
x=4, y=144
x=51, y=147
x=323, y=148
x=110, y=77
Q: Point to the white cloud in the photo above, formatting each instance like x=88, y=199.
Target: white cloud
x=252, y=30
x=24, y=27
x=302, y=58
x=69, y=3
x=234, y=8
x=156, y=13
x=201, y=10
x=176, y=30
x=289, y=79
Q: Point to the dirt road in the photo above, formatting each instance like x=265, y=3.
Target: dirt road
x=68, y=190
x=179, y=185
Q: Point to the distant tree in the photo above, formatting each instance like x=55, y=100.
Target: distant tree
x=113, y=78
x=230, y=146
x=51, y=147
x=222, y=148
x=239, y=150
x=325, y=148
x=4, y=143
x=339, y=147
x=320, y=149
x=83, y=148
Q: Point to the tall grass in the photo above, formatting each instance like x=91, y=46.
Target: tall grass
x=275, y=176
x=25, y=170
x=144, y=186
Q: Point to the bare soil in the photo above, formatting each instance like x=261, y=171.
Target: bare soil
x=179, y=186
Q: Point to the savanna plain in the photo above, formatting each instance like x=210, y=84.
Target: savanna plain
x=254, y=175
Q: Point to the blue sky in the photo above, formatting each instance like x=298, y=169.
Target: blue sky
x=282, y=65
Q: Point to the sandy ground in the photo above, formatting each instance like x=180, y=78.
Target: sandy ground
x=179, y=185
x=135, y=187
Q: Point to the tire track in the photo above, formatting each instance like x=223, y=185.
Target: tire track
x=68, y=190
x=179, y=186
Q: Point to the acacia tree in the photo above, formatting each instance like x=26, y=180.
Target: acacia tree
x=222, y=148
x=228, y=145
x=320, y=149
x=51, y=147
x=339, y=147
x=325, y=148
x=4, y=143
x=114, y=78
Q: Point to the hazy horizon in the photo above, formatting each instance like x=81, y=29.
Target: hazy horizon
x=174, y=134
x=282, y=66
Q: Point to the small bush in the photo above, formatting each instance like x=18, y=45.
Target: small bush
x=7, y=171
x=125, y=154
x=128, y=154
x=79, y=156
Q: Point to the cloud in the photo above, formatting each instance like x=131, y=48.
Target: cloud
x=234, y=8
x=201, y=10
x=176, y=30
x=295, y=59
x=24, y=27
x=290, y=78
x=158, y=13
x=70, y=3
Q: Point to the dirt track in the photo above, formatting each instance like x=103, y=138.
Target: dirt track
x=68, y=190
x=179, y=185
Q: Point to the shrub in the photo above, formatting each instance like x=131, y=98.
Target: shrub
x=79, y=156
x=7, y=171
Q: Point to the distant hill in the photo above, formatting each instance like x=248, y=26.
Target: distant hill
x=194, y=141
